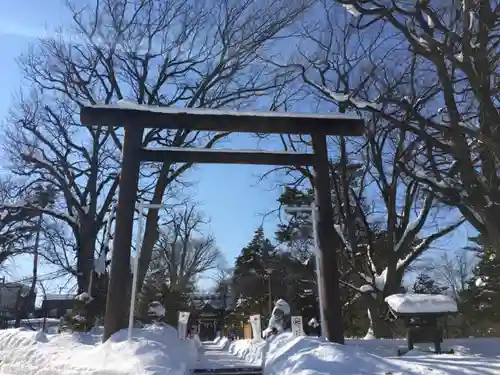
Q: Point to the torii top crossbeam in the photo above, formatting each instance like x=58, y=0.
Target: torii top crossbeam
x=131, y=114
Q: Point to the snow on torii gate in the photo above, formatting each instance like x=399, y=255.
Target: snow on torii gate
x=135, y=118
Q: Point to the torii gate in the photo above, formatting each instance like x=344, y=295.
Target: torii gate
x=135, y=118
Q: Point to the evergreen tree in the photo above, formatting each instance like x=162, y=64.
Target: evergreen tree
x=297, y=236
x=149, y=292
x=88, y=309
x=251, y=272
x=424, y=284
x=159, y=293
x=484, y=290
x=295, y=229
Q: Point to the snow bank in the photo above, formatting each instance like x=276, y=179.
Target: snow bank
x=308, y=355
x=154, y=350
x=221, y=344
x=485, y=347
x=421, y=303
x=287, y=355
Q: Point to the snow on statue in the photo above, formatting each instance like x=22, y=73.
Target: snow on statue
x=279, y=320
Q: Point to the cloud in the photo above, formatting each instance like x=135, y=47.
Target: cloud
x=12, y=29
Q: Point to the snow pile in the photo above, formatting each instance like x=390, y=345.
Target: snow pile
x=156, y=309
x=221, y=343
x=366, y=288
x=313, y=323
x=286, y=355
x=154, y=350
x=83, y=297
x=307, y=355
x=481, y=282
x=380, y=280
x=421, y=303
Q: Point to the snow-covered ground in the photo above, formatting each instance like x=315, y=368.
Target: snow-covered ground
x=153, y=350
x=156, y=350
x=286, y=355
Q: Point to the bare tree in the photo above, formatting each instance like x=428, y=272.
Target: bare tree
x=30, y=215
x=21, y=217
x=167, y=52
x=183, y=253
x=16, y=232
x=224, y=283
x=381, y=240
x=455, y=271
x=58, y=247
x=15, y=224
x=222, y=274
x=445, y=90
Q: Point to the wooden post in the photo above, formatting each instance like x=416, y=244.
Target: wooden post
x=117, y=298
x=329, y=243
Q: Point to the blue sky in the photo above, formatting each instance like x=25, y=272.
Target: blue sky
x=229, y=195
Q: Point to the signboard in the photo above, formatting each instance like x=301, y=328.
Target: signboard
x=256, y=327
x=297, y=328
x=182, y=324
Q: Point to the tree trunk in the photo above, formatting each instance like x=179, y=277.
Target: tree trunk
x=151, y=235
x=379, y=327
x=85, y=261
x=19, y=308
x=378, y=309
x=95, y=309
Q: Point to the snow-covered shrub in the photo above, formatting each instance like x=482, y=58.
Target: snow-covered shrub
x=88, y=309
x=76, y=319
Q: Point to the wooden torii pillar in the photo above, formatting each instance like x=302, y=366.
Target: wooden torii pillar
x=135, y=118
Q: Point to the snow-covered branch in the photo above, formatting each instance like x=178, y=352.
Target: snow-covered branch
x=415, y=226
x=425, y=243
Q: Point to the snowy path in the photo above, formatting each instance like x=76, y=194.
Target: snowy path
x=216, y=360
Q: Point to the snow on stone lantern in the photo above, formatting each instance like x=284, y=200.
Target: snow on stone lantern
x=421, y=313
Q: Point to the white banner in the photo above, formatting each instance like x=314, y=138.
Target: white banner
x=182, y=324
x=297, y=328
x=256, y=327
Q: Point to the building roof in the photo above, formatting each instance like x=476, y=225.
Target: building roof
x=216, y=301
x=14, y=285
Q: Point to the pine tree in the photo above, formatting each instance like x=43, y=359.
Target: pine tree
x=297, y=236
x=174, y=301
x=256, y=256
x=149, y=293
x=485, y=286
x=424, y=284
x=251, y=272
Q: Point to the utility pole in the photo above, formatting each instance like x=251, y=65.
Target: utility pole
x=44, y=197
x=138, y=243
x=311, y=210
x=2, y=311
x=270, y=301
x=31, y=293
